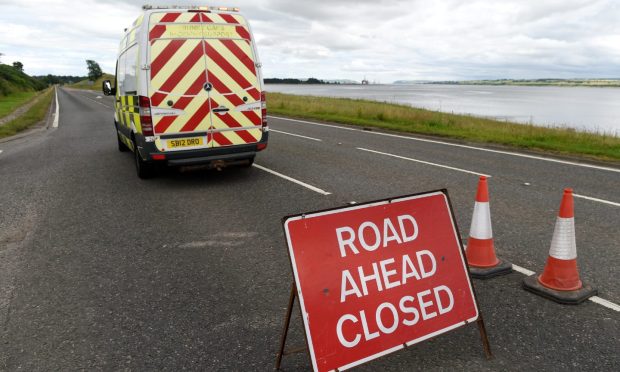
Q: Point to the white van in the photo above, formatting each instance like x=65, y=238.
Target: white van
x=189, y=89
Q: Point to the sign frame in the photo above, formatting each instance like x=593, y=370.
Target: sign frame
x=295, y=293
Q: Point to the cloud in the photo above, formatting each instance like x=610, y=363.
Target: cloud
x=383, y=40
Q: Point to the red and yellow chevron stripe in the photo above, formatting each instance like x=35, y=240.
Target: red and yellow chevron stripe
x=189, y=49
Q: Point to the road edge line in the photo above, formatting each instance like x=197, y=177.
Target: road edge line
x=308, y=186
x=55, y=123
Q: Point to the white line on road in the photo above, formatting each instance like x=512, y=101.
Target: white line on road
x=604, y=302
x=313, y=188
x=597, y=200
x=1, y=151
x=296, y=135
x=596, y=299
x=425, y=162
x=462, y=146
x=522, y=270
x=55, y=123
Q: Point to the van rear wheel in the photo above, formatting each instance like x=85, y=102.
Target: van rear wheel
x=144, y=169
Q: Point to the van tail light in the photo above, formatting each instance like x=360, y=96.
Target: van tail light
x=263, y=106
x=146, y=121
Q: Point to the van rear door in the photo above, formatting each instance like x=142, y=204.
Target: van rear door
x=203, y=80
x=231, y=70
x=179, y=103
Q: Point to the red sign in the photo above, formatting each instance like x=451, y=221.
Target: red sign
x=374, y=277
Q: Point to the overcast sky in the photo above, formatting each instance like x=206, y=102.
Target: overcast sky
x=384, y=40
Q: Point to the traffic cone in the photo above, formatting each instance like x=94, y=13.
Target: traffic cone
x=480, y=252
x=560, y=279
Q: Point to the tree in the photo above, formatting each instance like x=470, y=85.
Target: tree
x=18, y=66
x=94, y=70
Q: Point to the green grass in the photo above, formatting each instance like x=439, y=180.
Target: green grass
x=14, y=81
x=86, y=84
x=36, y=113
x=404, y=118
x=11, y=102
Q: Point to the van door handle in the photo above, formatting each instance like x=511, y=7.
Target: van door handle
x=221, y=109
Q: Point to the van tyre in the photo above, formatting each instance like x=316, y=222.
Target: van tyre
x=144, y=169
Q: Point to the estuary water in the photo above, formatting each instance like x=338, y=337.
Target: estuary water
x=582, y=108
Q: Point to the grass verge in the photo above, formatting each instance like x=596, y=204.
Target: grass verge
x=404, y=118
x=11, y=102
x=36, y=113
x=89, y=85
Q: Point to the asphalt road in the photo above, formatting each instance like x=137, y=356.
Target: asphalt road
x=100, y=270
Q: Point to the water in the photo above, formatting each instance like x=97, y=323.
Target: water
x=582, y=108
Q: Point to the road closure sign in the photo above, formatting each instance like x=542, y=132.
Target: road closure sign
x=374, y=278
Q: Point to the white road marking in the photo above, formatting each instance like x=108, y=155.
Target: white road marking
x=522, y=270
x=425, y=162
x=462, y=146
x=596, y=299
x=296, y=135
x=597, y=200
x=313, y=188
x=604, y=302
x=1, y=151
x=55, y=123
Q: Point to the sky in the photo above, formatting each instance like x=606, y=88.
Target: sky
x=382, y=40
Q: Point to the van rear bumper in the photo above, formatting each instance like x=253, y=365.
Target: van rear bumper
x=228, y=154
x=197, y=160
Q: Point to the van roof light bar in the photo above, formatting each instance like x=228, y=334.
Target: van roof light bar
x=191, y=7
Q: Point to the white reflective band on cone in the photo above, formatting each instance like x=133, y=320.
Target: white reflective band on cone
x=563, y=246
x=481, y=222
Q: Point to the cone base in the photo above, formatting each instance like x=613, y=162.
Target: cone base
x=502, y=268
x=576, y=297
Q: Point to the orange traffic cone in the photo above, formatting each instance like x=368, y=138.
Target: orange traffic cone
x=483, y=263
x=560, y=279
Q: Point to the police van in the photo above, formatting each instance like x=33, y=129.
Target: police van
x=188, y=89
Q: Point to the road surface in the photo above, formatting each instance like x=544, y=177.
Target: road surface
x=102, y=270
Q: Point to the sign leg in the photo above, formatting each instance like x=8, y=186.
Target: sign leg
x=485, y=339
x=287, y=321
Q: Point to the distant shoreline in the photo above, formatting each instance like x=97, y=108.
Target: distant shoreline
x=600, y=83
x=594, y=83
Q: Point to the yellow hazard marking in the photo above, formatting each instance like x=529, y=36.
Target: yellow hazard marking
x=175, y=62
x=234, y=61
x=190, y=110
x=197, y=30
x=233, y=137
x=184, y=17
x=138, y=20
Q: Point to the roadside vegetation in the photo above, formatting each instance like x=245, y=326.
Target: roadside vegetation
x=404, y=118
x=90, y=85
x=36, y=113
x=16, y=88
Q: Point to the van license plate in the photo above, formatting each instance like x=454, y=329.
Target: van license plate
x=184, y=142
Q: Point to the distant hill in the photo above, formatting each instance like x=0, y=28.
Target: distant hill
x=13, y=81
